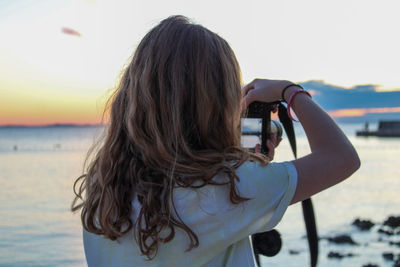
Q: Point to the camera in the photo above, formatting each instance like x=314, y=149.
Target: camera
x=257, y=126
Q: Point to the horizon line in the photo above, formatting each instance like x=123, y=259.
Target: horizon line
x=50, y=125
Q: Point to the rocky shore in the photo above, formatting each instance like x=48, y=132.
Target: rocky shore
x=359, y=239
x=389, y=232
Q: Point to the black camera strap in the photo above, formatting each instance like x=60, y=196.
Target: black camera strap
x=308, y=210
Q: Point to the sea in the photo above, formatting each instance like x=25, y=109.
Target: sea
x=38, y=166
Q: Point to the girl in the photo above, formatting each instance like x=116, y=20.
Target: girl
x=170, y=184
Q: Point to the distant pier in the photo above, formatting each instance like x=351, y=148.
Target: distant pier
x=385, y=129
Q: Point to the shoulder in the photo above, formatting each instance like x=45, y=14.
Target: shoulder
x=254, y=176
x=274, y=168
x=270, y=188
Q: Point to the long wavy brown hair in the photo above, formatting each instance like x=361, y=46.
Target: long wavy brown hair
x=174, y=122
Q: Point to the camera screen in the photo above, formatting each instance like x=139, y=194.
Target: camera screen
x=251, y=132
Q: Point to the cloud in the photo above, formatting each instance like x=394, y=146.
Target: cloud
x=70, y=31
x=332, y=97
x=359, y=103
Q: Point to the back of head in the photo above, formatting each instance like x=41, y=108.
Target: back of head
x=174, y=121
x=181, y=93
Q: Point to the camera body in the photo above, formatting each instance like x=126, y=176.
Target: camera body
x=262, y=111
x=267, y=243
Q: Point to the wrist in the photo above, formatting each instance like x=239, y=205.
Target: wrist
x=288, y=90
x=283, y=85
x=292, y=98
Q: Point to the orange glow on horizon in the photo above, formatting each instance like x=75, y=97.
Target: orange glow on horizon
x=358, y=112
x=353, y=112
x=82, y=115
x=61, y=110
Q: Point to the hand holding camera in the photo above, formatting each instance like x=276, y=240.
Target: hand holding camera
x=260, y=99
x=263, y=90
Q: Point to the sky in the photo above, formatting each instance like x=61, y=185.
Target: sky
x=59, y=60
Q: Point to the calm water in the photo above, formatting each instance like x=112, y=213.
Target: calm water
x=39, y=165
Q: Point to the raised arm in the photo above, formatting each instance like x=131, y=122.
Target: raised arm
x=332, y=158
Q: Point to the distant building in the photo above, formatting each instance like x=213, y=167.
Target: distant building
x=385, y=129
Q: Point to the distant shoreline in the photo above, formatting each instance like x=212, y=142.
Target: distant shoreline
x=55, y=125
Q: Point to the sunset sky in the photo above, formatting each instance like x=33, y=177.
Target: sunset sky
x=59, y=59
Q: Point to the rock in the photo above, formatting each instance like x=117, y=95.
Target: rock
x=338, y=255
x=293, y=252
x=370, y=265
x=394, y=243
x=342, y=239
x=386, y=232
x=392, y=222
x=388, y=256
x=363, y=225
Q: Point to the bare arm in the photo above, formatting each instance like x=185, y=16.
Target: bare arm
x=332, y=158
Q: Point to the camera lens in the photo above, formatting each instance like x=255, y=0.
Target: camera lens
x=276, y=128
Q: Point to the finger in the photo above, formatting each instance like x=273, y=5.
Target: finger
x=247, y=88
x=247, y=100
x=271, y=150
x=273, y=139
x=243, y=105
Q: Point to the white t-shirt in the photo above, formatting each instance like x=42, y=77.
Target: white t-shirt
x=223, y=228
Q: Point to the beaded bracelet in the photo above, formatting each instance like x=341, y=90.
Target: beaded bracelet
x=286, y=87
x=291, y=98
